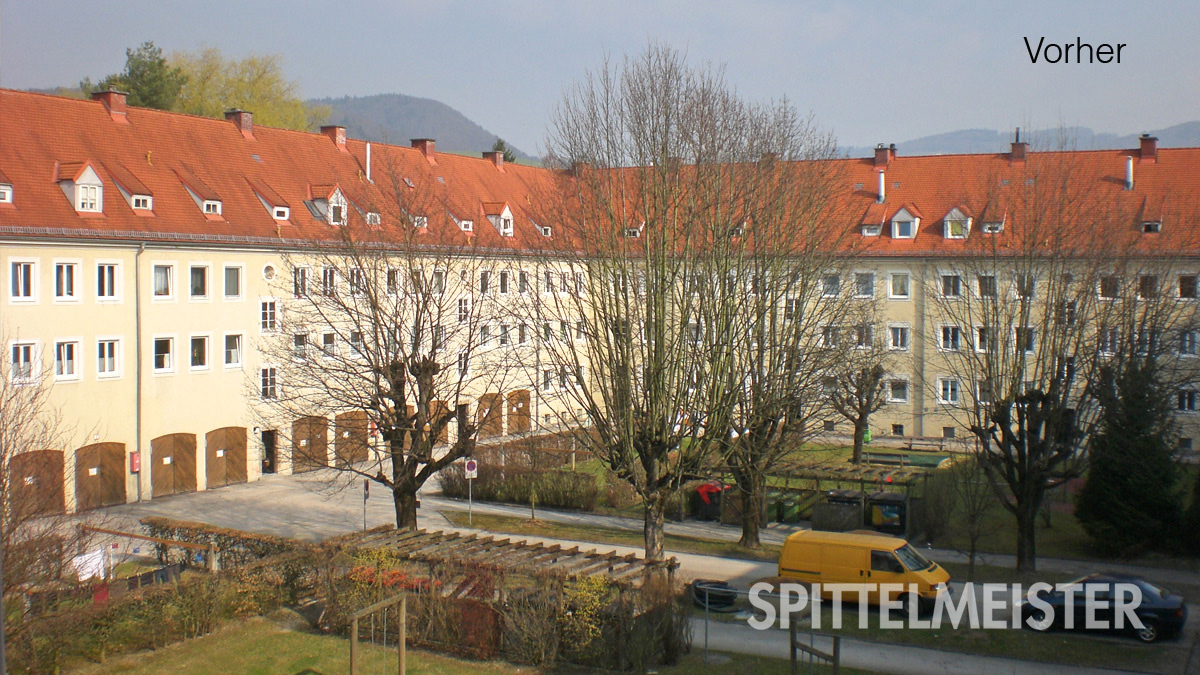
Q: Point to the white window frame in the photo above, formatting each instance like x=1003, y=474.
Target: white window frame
x=275, y=312
x=1187, y=401
x=1017, y=341
x=1189, y=343
x=141, y=202
x=6, y=193
x=837, y=290
x=857, y=288
x=241, y=350
x=357, y=280
x=943, y=277
x=34, y=287
x=907, y=328
x=118, y=357
x=172, y=355
x=907, y=388
x=211, y=207
x=329, y=281
x=975, y=341
x=268, y=370
x=1033, y=283
x=1195, y=287
x=280, y=213
x=172, y=282
x=329, y=349
x=208, y=291
x=1100, y=287
x=35, y=361
x=75, y=344
x=942, y=337
x=463, y=311
x=76, y=266
x=979, y=287
x=116, y=279
x=89, y=198
x=207, y=337
x=301, y=281
x=892, y=285
x=942, y=381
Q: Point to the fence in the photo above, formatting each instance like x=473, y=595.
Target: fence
x=381, y=609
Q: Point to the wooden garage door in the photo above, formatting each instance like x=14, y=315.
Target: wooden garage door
x=36, y=484
x=99, y=475
x=172, y=465
x=490, y=415
x=350, y=437
x=518, y=411
x=225, y=454
x=310, y=444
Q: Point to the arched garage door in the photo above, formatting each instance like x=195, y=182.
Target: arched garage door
x=350, y=437
x=36, y=484
x=225, y=455
x=172, y=464
x=99, y=475
x=490, y=415
x=310, y=444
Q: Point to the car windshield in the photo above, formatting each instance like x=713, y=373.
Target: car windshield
x=911, y=559
x=1153, y=591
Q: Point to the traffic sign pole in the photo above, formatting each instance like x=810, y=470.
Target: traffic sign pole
x=366, y=493
x=471, y=470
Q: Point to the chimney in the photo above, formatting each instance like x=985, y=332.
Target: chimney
x=338, y=134
x=368, y=163
x=884, y=154
x=1149, y=150
x=114, y=103
x=882, y=190
x=1129, y=172
x=243, y=120
x=425, y=145
x=1017, y=157
x=496, y=157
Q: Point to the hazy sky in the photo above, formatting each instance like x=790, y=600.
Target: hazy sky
x=871, y=71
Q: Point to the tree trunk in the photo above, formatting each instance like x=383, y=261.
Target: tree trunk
x=859, y=428
x=753, y=494
x=405, y=501
x=653, y=530
x=1026, y=537
x=971, y=559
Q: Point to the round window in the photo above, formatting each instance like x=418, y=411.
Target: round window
x=269, y=272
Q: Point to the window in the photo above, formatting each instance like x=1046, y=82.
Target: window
x=956, y=229
x=951, y=286
x=1187, y=286
x=233, y=282
x=948, y=390
x=951, y=338
x=1110, y=340
x=393, y=281
x=580, y=331
x=829, y=336
x=356, y=342
x=280, y=213
x=22, y=281
x=983, y=392
x=464, y=364
x=1025, y=339
x=580, y=283
x=6, y=194
x=300, y=282
x=898, y=337
x=212, y=207
x=233, y=350
x=548, y=282
x=522, y=281
x=504, y=281
x=199, y=352
x=358, y=282
x=1151, y=226
x=564, y=329
x=899, y=286
x=87, y=198
x=485, y=279
x=1185, y=443
x=163, y=347
x=24, y=368
x=547, y=331
x=903, y=229
x=864, y=285
x=1025, y=285
x=268, y=315
x=106, y=281
x=64, y=281
x=982, y=338
x=106, y=358
x=439, y=282
x=897, y=429
x=1187, y=342
x=269, y=383
x=791, y=308
x=986, y=285
x=1188, y=400
x=864, y=335
x=522, y=334
x=162, y=281
x=300, y=345
x=504, y=339
x=547, y=380
x=948, y=432
x=1110, y=287
x=830, y=285
x=464, y=309
x=64, y=360
x=328, y=281
x=485, y=334
x=1147, y=287
x=439, y=337
x=199, y=282
x=1067, y=312
x=329, y=344
x=829, y=425
x=898, y=391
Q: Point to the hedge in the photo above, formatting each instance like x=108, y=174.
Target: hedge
x=554, y=489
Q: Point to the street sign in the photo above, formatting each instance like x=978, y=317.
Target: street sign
x=472, y=469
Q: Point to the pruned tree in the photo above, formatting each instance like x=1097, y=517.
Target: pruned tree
x=974, y=506
x=856, y=383
x=394, y=329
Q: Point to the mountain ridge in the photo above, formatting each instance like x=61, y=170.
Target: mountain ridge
x=970, y=141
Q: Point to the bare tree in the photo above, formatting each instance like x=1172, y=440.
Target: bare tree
x=856, y=384
x=975, y=503
x=396, y=330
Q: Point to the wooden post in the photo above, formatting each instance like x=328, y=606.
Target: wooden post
x=213, y=564
x=837, y=654
x=792, y=643
x=403, y=633
x=353, y=644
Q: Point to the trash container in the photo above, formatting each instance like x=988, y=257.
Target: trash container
x=706, y=501
x=886, y=512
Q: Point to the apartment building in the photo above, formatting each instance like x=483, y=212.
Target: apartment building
x=155, y=262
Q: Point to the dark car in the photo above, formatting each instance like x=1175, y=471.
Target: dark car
x=1161, y=613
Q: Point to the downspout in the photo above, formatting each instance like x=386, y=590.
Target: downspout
x=137, y=348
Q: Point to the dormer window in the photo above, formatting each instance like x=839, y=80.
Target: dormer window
x=281, y=213
x=372, y=218
x=212, y=207
x=871, y=230
x=545, y=230
x=6, y=193
x=337, y=214
x=903, y=229
x=1152, y=226
x=500, y=216
x=420, y=221
x=87, y=198
x=957, y=224
x=993, y=228
x=467, y=225
x=142, y=202
x=506, y=227
x=81, y=184
x=633, y=232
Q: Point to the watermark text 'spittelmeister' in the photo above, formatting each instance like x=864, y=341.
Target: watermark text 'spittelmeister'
x=1079, y=52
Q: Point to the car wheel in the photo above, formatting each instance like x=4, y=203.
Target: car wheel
x=1148, y=632
x=911, y=605
x=1038, y=621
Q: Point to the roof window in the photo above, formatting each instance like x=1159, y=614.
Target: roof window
x=281, y=213
x=212, y=207
x=6, y=193
x=141, y=202
x=1152, y=226
x=81, y=184
x=871, y=230
x=905, y=224
x=957, y=224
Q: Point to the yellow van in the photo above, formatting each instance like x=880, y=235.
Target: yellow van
x=855, y=558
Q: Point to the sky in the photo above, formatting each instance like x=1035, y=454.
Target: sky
x=869, y=71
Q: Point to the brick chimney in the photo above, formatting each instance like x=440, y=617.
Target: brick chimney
x=337, y=134
x=1017, y=156
x=1149, y=150
x=114, y=103
x=243, y=120
x=496, y=157
x=425, y=145
x=884, y=154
